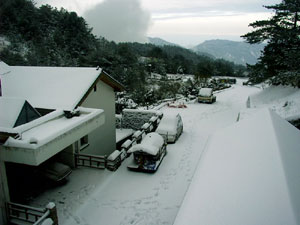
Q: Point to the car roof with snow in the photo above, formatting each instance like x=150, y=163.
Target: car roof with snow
x=151, y=144
x=168, y=124
x=205, y=92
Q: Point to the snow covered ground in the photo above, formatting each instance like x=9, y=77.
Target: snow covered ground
x=285, y=101
x=124, y=197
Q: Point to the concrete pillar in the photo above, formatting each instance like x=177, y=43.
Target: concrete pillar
x=53, y=212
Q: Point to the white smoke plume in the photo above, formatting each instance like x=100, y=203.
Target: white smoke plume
x=119, y=20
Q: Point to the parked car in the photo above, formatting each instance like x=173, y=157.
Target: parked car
x=148, y=155
x=232, y=81
x=250, y=83
x=170, y=127
x=206, y=95
x=54, y=171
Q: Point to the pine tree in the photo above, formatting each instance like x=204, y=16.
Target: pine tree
x=281, y=57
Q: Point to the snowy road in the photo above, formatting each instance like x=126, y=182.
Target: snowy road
x=124, y=197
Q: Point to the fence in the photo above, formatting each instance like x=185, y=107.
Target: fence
x=93, y=161
x=18, y=213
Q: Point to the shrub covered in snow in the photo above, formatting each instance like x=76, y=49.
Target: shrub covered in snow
x=134, y=118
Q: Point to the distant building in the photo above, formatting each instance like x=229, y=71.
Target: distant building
x=175, y=77
x=155, y=76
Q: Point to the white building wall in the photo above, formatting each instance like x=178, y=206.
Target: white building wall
x=102, y=141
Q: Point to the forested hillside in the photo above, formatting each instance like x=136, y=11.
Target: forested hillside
x=48, y=36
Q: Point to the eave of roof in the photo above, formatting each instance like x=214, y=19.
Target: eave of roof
x=41, y=139
x=116, y=85
x=107, y=79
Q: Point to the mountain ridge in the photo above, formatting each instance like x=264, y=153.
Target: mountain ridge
x=160, y=42
x=234, y=51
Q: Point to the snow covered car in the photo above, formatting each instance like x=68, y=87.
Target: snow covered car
x=170, y=127
x=148, y=155
x=206, y=95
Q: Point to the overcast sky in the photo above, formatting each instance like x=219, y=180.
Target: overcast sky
x=185, y=22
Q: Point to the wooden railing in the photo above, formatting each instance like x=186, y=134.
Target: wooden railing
x=93, y=161
x=21, y=213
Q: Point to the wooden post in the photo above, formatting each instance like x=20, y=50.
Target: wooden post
x=53, y=212
x=4, y=193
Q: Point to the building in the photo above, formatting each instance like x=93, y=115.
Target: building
x=27, y=140
x=248, y=174
x=66, y=88
x=52, y=112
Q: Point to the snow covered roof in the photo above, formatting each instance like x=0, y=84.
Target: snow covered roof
x=15, y=112
x=4, y=68
x=53, y=87
x=284, y=100
x=44, y=137
x=10, y=109
x=206, y=92
x=248, y=174
x=151, y=144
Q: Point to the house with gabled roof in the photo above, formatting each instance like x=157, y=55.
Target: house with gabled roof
x=66, y=88
x=15, y=112
x=29, y=140
x=53, y=112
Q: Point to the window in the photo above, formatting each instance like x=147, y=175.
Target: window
x=83, y=142
x=95, y=88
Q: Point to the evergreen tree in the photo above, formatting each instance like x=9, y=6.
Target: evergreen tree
x=280, y=59
x=204, y=71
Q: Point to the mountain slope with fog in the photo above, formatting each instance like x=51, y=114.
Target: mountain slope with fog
x=234, y=51
x=159, y=42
